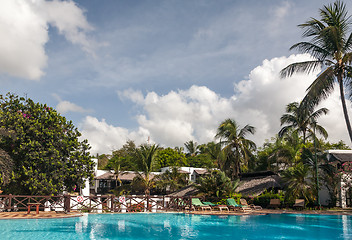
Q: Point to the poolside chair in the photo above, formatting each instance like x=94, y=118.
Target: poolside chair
x=216, y=207
x=185, y=206
x=274, y=203
x=299, y=204
x=232, y=205
x=199, y=205
x=252, y=206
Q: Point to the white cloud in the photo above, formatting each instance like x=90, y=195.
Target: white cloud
x=24, y=27
x=66, y=106
x=104, y=137
x=195, y=113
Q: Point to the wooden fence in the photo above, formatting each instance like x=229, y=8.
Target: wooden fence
x=99, y=204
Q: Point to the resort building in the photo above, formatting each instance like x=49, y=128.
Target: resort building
x=342, y=160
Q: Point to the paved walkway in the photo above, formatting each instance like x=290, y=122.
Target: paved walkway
x=33, y=215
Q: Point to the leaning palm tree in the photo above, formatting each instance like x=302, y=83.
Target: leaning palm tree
x=298, y=118
x=144, y=163
x=331, y=45
x=237, y=147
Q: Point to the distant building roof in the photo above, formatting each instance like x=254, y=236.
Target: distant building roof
x=187, y=191
x=201, y=172
x=343, y=156
x=126, y=176
x=256, y=185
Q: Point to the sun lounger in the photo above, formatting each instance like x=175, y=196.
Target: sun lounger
x=299, y=204
x=232, y=205
x=252, y=206
x=199, y=205
x=216, y=207
x=274, y=203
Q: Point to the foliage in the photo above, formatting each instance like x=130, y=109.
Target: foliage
x=171, y=180
x=330, y=44
x=216, y=184
x=103, y=160
x=299, y=183
x=145, y=160
x=170, y=157
x=192, y=148
x=264, y=198
x=202, y=160
x=302, y=120
x=238, y=148
x=48, y=157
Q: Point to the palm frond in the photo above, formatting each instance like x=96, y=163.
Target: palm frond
x=301, y=67
x=320, y=89
x=314, y=50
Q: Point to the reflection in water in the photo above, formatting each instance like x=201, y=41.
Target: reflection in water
x=121, y=224
x=78, y=227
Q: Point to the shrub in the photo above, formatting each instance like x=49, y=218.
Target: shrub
x=264, y=198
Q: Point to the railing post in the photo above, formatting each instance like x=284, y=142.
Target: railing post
x=67, y=203
x=148, y=210
x=9, y=205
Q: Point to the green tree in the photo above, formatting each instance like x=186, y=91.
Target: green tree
x=48, y=157
x=145, y=160
x=192, y=148
x=172, y=180
x=170, y=157
x=298, y=183
x=237, y=147
x=6, y=162
x=298, y=118
x=330, y=44
x=216, y=184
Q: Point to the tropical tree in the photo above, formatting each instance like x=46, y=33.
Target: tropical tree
x=238, y=148
x=6, y=162
x=298, y=183
x=172, y=179
x=330, y=44
x=216, y=184
x=170, y=157
x=192, y=148
x=298, y=118
x=47, y=155
x=145, y=157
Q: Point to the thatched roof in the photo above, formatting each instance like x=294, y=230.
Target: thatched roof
x=187, y=191
x=126, y=176
x=256, y=185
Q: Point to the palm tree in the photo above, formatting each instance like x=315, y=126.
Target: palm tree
x=298, y=118
x=330, y=44
x=298, y=182
x=145, y=161
x=172, y=179
x=192, y=148
x=237, y=146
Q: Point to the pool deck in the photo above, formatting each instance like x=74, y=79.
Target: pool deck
x=45, y=215
x=33, y=215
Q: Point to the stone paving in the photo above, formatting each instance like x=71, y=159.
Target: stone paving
x=33, y=215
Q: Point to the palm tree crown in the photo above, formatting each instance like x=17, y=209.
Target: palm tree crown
x=302, y=120
x=237, y=146
x=330, y=44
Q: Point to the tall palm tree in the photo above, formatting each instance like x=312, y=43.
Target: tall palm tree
x=298, y=118
x=144, y=162
x=237, y=146
x=330, y=44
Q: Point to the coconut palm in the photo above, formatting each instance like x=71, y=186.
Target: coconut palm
x=192, y=148
x=298, y=182
x=298, y=118
x=330, y=44
x=172, y=179
x=144, y=163
x=237, y=147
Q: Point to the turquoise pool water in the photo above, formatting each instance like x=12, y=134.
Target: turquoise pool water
x=180, y=226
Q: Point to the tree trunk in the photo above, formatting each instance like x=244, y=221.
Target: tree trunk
x=342, y=95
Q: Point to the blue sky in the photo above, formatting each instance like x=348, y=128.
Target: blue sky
x=168, y=70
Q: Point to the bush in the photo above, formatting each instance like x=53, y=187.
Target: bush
x=236, y=196
x=264, y=198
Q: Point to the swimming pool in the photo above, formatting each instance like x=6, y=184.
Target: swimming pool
x=180, y=226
